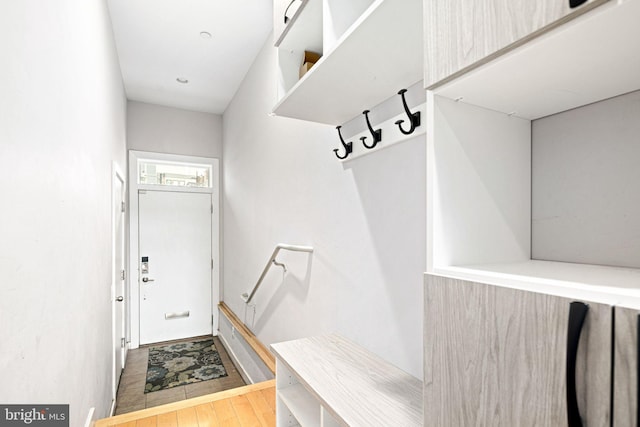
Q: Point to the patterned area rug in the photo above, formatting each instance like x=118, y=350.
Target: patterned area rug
x=182, y=363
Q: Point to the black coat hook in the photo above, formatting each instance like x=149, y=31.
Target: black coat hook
x=286, y=18
x=375, y=134
x=348, y=146
x=413, y=117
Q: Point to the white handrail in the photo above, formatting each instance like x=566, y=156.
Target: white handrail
x=272, y=260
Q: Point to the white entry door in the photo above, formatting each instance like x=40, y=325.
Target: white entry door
x=117, y=290
x=175, y=265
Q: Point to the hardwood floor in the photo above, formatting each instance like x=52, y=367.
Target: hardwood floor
x=252, y=405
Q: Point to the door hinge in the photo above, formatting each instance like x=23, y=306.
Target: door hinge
x=212, y=263
x=123, y=275
x=122, y=342
x=211, y=208
x=122, y=206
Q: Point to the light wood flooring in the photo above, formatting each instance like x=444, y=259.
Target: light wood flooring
x=252, y=405
x=131, y=396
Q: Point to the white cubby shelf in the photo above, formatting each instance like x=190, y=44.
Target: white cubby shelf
x=370, y=50
x=480, y=166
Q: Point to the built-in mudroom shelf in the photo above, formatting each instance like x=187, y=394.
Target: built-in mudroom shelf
x=533, y=231
x=370, y=49
x=329, y=381
x=533, y=168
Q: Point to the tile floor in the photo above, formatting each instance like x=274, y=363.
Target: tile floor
x=131, y=396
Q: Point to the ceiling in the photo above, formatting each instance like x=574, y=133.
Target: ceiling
x=160, y=41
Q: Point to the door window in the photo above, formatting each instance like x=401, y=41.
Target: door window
x=156, y=172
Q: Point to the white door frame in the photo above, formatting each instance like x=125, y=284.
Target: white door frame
x=134, y=186
x=117, y=199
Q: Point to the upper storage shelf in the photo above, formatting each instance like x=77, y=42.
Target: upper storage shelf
x=365, y=60
x=594, y=57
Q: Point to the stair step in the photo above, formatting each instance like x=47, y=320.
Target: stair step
x=188, y=403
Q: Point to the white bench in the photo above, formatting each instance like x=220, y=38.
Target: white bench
x=328, y=381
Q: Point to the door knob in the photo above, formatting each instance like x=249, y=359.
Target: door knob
x=146, y=279
x=119, y=299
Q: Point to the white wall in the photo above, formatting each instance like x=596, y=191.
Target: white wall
x=172, y=130
x=365, y=219
x=62, y=123
x=249, y=364
x=586, y=183
x=480, y=167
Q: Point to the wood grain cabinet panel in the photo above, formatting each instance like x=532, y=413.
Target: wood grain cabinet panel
x=496, y=356
x=625, y=371
x=463, y=34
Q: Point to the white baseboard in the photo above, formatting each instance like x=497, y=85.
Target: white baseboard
x=112, y=410
x=241, y=370
x=90, y=422
x=251, y=367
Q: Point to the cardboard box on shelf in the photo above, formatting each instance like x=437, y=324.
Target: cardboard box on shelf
x=310, y=58
x=305, y=67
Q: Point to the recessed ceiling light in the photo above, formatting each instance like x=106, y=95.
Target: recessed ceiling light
x=182, y=80
x=205, y=34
